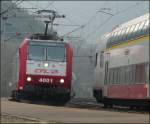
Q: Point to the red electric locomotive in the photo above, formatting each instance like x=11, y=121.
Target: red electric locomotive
x=45, y=69
x=45, y=66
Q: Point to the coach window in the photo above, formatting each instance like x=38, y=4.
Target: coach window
x=142, y=72
x=133, y=74
x=145, y=26
x=120, y=36
x=116, y=38
x=116, y=81
x=119, y=75
x=113, y=38
x=131, y=32
x=130, y=74
x=110, y=76
x=122, y=75
x=135, y=30
x=126, y=34
x=113, y=76
x=110, y=42
x=140, y=28
x=137, y=73
x=125, y=74
x=147, y=30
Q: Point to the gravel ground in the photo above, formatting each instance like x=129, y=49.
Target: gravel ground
x=6, y=118
x=62, y=114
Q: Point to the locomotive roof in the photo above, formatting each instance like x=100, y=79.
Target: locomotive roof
x=48, y=41
x=51, y=36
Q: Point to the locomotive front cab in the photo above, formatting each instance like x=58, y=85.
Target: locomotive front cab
x=45, y=68
x=46, y=61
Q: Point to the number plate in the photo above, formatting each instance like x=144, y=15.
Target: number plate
x=47, y=80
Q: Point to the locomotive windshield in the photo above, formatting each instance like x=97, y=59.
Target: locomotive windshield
x=47, y=52
x=36, y=53
x=56, y=53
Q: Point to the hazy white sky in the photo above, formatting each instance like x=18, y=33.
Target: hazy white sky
x=86, y=12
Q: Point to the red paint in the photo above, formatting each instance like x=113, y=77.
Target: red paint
x=22, y=63
x=128, y=91
x=56, y=79
x=69, y=66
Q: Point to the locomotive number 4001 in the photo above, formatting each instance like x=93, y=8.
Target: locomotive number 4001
x=47, y=80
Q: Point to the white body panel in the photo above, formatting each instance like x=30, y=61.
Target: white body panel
x=132, y=51
x=53, y=68
x=138, y=53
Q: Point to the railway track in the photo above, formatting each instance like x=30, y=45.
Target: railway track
x=90, y=103
x=79, y=110
x=87, y=103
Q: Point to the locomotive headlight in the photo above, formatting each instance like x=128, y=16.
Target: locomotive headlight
x=21, y=88
x=28, y=78
x=46, y=64
x=62, y=81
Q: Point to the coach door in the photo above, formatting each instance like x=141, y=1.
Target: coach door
x=106, y=77
x=106, y=73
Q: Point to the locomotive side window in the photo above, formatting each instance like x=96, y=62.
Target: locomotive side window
x=56, y=53
x=36, y=52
